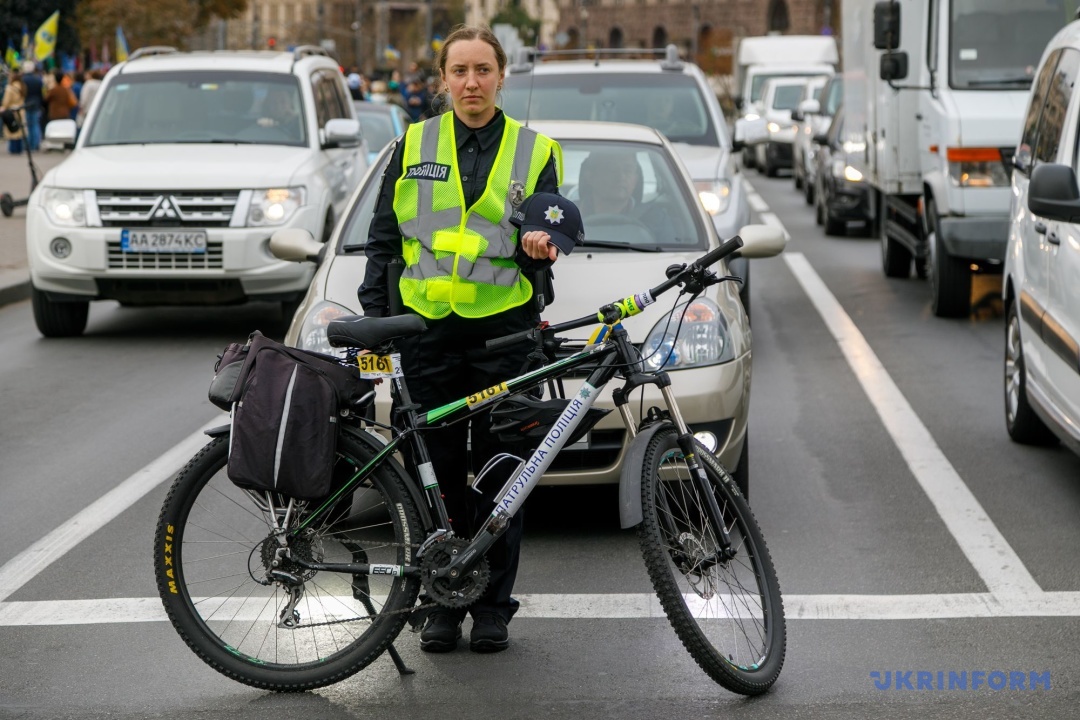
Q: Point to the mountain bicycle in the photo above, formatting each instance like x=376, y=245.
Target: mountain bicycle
x=289, y=595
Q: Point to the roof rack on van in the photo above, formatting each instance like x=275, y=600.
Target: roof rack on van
x=527, y=56
x=151, y=50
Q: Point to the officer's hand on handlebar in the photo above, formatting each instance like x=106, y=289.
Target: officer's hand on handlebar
x=537, y=245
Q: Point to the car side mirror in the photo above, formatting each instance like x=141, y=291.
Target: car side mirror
x=810, y=106
x=61, y=132
x=341, y=133
x=821, y=139
x=761, y=241
x=295, y=245
x=1053, y=193
x=739, y=102
x=894, y=66
x=797, y=116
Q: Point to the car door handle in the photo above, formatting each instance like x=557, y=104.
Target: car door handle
x=1052, y=238
x=1040, y=227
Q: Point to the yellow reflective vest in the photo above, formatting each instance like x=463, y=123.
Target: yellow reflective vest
x=461, y=259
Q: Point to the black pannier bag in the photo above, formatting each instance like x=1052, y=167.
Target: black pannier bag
x=285, y=417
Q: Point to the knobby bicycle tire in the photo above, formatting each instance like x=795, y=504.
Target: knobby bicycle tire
x=729, y=615
x=212, y=542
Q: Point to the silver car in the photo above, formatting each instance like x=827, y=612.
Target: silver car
x=706, y=345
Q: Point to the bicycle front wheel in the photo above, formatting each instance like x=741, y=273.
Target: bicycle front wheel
x=214, y=545
x=727, y=612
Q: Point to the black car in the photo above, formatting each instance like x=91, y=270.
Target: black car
x=841, y=192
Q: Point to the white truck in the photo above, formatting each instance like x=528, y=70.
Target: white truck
x=760, y=58
x=934, y=97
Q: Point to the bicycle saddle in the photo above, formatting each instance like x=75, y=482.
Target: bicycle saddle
x=369, y=332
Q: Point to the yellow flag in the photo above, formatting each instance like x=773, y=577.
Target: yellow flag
x=12, y=58
x=45, y=37
x=121, y=45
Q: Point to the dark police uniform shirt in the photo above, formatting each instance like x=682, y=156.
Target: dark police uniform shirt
x=476, y=150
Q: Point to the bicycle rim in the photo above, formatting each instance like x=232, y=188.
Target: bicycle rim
x=213, y=547
x=728, y=614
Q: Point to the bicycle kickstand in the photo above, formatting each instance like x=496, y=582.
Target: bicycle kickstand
x=361, y=592
x=402, y=668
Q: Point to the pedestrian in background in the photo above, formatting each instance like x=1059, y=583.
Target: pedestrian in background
x=416, y=99
x=35, y=102
x=86, y=98
x=14, y=96
x=60, y=100
x=76, y=87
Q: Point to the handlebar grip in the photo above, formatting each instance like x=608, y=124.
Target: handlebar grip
x=724, y=250
x=508, y=340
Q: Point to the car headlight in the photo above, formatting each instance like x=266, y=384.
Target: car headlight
x=275, y=206
x=65, y=207
x=978, y=174
x=702, y=339
x=852, y=175
x=715, y=195
x=313, y=330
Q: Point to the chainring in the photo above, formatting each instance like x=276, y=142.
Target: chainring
x=439, y=556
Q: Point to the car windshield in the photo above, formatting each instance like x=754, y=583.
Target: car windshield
x=377, y=127
x=787, y=97
x=831, y=97
x=630, y=194
x=996, y=44
x=200, y=107
x=757, y=85
x=670, y=103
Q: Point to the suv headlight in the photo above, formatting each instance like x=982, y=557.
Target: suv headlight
x=702, y=339
x=275, y=206
x=978, y=174
x=715, y=195
x=65, y=207
x=313, y=330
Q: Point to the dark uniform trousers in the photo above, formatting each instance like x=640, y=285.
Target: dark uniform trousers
x=443, y=364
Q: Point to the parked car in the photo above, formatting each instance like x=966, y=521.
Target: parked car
x=185, y=166
x=667, y=94
x=1040, y=287
x=381, y=124
x=710, y=365
x=817, y=116
x=841, y=194
x=781, y=97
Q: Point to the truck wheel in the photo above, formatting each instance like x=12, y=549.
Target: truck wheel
x=895, y=258
x=1023, y=424
x=950, y=277
x=58, y=319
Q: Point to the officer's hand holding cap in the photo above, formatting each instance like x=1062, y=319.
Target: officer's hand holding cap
x=553, y=214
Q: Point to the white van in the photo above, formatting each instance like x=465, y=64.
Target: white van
x=1042, y=262
x=186, y=164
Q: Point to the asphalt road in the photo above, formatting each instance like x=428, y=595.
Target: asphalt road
x=909, y=534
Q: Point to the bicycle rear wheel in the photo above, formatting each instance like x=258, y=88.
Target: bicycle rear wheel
x=728, y=613
x=213, y=546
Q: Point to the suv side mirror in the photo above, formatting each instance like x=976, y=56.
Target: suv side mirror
x=1053, y=193
x=341, y=133
x=810, y=106
x=797, y=115
x=887, y=25
x=894, y=66
x=61, y=132
x=821, y=139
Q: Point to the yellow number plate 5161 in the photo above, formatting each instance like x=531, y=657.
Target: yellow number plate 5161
x=485, y=396
x=379, y=366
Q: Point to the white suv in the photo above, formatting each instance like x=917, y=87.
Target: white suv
x=1041, y=287
x=186, y=164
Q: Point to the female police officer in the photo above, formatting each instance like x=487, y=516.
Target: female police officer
x=445, y=204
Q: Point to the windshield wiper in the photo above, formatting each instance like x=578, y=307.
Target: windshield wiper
x=215, y=141
x=352, y=248
x=1001, y=81
x=621, y=246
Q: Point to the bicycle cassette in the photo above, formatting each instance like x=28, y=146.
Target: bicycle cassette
x=468, y=590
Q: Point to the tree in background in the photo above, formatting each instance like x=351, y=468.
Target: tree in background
x=149, y=23
x=14, y=14
x=513, y=14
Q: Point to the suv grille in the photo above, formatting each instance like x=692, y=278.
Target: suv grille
x=212, y=208
x=209, y=260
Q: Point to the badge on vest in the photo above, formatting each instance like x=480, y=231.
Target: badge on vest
x=517, y=193
x=427, y=171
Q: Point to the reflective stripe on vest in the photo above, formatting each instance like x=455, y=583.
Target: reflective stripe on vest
x=460, y=259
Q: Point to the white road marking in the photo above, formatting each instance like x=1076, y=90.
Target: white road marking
x=22, y=568
x=754, y=200
x=770, y=219
x=610, y=607
x=978, y=537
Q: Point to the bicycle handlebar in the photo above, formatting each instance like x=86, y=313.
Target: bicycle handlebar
x=628, y=306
